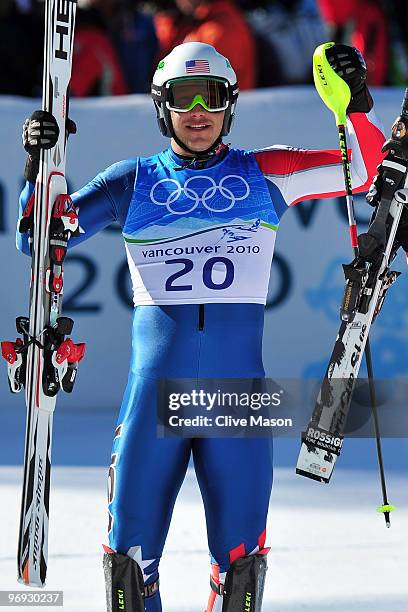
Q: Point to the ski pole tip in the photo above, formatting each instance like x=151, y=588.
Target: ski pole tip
x=386, y=509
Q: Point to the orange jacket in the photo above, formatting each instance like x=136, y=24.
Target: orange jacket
x=220, y=24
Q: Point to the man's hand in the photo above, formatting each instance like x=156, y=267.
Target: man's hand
x=349, y=64
x=41, y=131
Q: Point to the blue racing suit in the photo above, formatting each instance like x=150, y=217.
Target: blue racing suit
x=197, y=295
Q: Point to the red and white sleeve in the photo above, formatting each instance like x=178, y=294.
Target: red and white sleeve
x=301, y=174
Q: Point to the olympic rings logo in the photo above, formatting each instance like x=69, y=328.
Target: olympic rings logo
x=191, y=194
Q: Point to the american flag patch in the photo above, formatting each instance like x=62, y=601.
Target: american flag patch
x=197, y=66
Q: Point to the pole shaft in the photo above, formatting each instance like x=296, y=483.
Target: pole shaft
x=367, y=351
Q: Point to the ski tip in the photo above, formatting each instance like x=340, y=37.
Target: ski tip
x=26, y=576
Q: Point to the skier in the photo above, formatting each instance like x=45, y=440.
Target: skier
x=186, y=298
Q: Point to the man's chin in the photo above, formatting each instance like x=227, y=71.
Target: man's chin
x=197, y=143
x=200, y=145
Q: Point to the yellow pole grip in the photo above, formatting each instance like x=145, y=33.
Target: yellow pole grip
x=332, y=89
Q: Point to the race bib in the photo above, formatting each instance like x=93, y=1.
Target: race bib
x=199, y=236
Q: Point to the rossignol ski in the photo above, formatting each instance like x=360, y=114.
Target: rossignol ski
x=44, y=360
x=368, y=278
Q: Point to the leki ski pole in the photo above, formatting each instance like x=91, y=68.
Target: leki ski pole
x=336, y=94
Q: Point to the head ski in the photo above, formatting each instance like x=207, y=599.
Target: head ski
x=44, y=360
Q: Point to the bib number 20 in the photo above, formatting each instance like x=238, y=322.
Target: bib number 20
x=207, y=274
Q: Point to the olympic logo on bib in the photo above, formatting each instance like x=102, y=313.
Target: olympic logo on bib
x=191, y=194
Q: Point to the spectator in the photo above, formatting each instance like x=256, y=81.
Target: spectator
x=286, y=34
x=96, y=70
x=134, y=38
x=21, y=49
x=216, y=22
x=397, y=13
x=363, y=24
x=171, y=25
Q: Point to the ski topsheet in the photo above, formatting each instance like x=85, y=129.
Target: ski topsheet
x=43, y=335
x=368, y=279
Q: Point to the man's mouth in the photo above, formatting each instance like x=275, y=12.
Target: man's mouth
x=199, y=127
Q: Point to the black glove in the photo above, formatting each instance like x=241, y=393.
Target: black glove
x=373, y=196
x=349, y=64
x=398, y=143
x=41, y=131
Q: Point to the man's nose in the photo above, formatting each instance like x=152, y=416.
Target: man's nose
x=198, y=109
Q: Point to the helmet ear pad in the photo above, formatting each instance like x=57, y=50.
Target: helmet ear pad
x=161, y=120
x=228, y=121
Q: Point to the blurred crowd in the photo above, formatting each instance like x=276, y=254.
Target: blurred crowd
x=269, y=42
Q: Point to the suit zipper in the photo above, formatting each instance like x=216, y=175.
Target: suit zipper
x=200, y=317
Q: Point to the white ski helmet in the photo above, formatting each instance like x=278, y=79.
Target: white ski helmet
x=193, y=60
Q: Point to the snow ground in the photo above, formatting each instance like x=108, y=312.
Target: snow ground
x=330, y=550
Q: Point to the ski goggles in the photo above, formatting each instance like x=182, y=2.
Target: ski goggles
x=184, y=94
